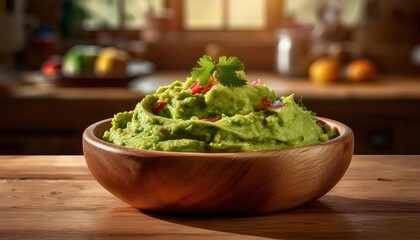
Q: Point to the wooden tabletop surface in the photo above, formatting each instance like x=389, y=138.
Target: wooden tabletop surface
x=55, y=197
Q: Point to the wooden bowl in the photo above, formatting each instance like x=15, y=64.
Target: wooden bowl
x=218, y=183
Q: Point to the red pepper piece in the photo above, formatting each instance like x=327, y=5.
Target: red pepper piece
x=196, y=88
x=159, y=106
x=265, y=103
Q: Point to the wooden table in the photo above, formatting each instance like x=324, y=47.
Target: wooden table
x=55, y=197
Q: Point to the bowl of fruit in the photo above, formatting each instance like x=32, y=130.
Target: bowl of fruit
x=94, y=66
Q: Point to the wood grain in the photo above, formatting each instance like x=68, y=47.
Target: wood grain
x=54, y=197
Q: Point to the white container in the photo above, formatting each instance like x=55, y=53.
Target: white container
x=293, y=51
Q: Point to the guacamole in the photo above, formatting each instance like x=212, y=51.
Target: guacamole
x=188, y=117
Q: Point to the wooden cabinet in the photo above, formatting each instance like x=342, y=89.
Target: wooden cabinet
x=379, y=126
x=52, y=126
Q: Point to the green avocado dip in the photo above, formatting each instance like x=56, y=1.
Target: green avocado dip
x=212, y=117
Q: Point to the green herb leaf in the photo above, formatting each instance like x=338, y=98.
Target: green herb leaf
x=203, y=70
x=230, y=63
x=228, y=71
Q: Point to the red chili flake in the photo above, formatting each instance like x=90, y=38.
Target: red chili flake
x=159, y=106
x=256, y=82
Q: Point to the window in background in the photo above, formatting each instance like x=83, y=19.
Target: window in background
x=137, y=11
x=198, y=17
x=247, y=14
x=117, y=14
x=305, y=11
x=99, y=14
x=202, y=15
x=225, y=15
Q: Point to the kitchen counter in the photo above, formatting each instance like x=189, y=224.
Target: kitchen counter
x=386, y=87
x=55, y=197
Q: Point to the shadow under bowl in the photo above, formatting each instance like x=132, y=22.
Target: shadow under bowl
x=245, y=183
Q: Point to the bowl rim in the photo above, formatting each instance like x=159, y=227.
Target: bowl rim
x=91, y=138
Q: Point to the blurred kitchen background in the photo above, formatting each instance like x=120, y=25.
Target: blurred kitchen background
x=65, y=64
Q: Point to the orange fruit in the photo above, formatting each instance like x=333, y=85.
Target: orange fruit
x=324, y=70
x=361, y=70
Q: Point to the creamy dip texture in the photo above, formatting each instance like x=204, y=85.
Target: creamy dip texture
x=215, y=118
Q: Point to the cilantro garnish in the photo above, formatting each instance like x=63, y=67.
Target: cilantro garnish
x=225, y=71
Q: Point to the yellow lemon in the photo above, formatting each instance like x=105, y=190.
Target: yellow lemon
x=324, y=71
x=111, y=62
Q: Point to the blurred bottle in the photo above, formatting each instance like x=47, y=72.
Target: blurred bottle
x=293, y=50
